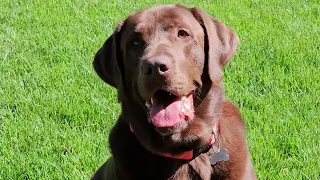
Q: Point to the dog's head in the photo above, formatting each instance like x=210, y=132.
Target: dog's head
x=166, y=63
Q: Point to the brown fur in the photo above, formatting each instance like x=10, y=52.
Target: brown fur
x=148, y=37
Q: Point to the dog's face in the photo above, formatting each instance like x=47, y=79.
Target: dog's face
x=166, y=63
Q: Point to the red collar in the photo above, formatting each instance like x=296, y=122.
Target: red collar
x=188, y=155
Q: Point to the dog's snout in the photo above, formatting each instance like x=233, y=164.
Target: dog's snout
x=156, y=66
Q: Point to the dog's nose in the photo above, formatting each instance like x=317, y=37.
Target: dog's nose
x=156, y=66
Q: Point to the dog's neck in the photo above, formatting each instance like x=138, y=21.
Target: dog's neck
x=189, y=155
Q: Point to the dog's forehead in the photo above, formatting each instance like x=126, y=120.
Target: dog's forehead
x=166, y=17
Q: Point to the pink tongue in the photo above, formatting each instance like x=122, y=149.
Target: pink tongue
x=174, y=113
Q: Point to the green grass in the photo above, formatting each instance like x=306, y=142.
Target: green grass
x=55, y=113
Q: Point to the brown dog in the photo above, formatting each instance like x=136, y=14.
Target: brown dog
x=166, y=63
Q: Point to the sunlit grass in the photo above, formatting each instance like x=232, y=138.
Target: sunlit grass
x=55, y=113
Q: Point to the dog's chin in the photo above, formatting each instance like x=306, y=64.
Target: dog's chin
x=174, y=131
x=178, y=142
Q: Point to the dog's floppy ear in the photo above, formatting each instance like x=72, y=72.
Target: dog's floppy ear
x=108, y=63
x=220, y=43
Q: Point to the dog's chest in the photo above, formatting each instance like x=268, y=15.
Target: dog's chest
x=201, y=169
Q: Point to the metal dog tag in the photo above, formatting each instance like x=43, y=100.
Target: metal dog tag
x=221, y=155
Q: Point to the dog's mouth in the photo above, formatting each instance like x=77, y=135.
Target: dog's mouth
x=168, y=110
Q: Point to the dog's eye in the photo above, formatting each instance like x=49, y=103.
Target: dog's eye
x=182, y=34
x=135, y=43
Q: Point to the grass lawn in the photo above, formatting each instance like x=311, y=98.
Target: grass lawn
x=55, y=113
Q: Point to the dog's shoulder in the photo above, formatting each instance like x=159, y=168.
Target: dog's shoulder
x=233, y=138
x=106, y=171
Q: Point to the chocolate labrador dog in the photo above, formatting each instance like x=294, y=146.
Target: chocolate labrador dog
x=166, y=63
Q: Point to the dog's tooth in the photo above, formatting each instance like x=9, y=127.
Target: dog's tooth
x=183, y=98
x=151, y=100
x=187, y=105
x=182, y=109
